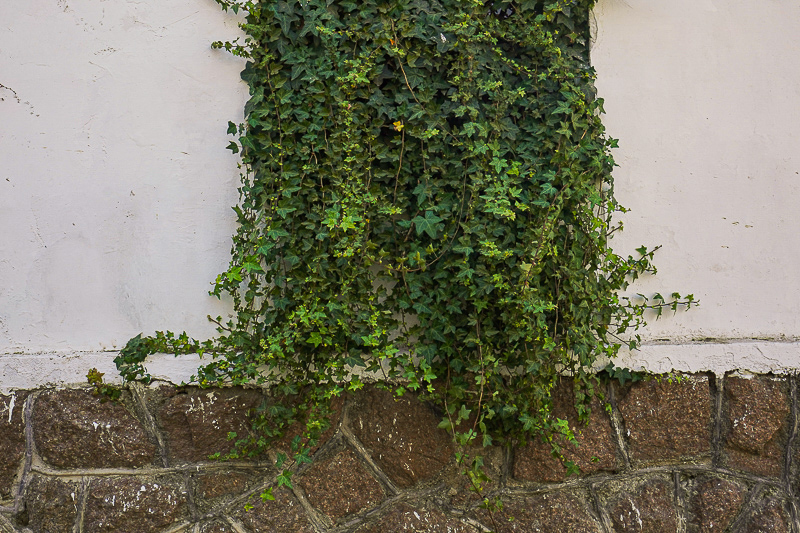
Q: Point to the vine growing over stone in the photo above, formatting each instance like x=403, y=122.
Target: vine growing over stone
x=427, y=203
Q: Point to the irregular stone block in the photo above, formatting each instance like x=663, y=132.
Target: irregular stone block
x=405, y=518
x=12, y=440
x=283, y=515
x=52, y=505
x=554, y=512
x=340, y=486
x=134, y=505
x=401, y=435
x=73, y=429
x=596, y=450
x=668, y=421
x=650, y=508
x=714, y=504
x=769, y=517
x=757, y=412
x=197, y=424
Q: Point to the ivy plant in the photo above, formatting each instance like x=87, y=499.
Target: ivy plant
x=427, y=202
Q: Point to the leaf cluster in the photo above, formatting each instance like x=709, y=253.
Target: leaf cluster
x=426, y=200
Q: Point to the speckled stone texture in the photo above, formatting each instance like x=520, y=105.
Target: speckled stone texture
x=714, y=504
x=402, y=436
x=52, y=505
x=757, y=412
x=74, y=429
x=596, y=450
x=197, y=423
x=134, y=505
x=340, y=486
x=283, y=515
x=768, y=517
x=406, y=518
x=666, y=421
x=650, y=508
x=548, y=513
x=12, y=439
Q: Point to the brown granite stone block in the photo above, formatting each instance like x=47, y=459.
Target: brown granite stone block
x=769, y=517
x=52, y=505
x=596, y=450
x=134, y=505
x=401, y=435
x=12, y=440
x=648, y=508
x=404, y=518
x=756, y=424
x=197, y=424
x=282, y=515
x=549, y=513
x=668, y=421
x=73, y=429
x=340, y=486
x=714, y=504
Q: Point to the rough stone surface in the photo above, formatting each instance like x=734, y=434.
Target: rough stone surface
x=197, y=424
x=402, y=436
x=89, y=433
x=668, y=421
x=211, y=486
x=549, y=513
x=134, y=505
x=769, y=517
x=340, y=486
x=12, y=440
x=649, y=509
x=405, y=518
x=52, y=505
x=283, y=515
x=714, y=504
x=757, y=412
x=217, y=488
x=217, y=526
x=596, y=450
x=285, y=443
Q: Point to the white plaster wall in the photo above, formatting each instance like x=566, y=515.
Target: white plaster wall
x=115, y=187
x=704, y=96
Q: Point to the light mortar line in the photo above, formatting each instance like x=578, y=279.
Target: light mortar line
x=84, y=497
x=617, y=426
x=602, y=512
x=149, y=421
x=29, y=447
x=716, y=430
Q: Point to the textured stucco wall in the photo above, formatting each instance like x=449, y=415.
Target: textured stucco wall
x=704, y=96
x=115, y=187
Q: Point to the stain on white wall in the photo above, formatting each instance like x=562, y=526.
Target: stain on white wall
x=115, y=186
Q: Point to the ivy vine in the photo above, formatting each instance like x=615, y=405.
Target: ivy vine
x=426, y=202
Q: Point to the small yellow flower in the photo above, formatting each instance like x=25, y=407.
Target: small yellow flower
x=398, y=126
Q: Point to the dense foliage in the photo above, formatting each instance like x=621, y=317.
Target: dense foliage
x=426, y=200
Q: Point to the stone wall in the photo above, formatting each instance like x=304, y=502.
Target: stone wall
x=702, y=454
